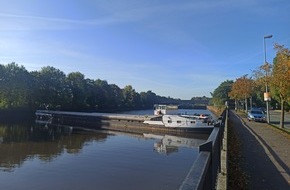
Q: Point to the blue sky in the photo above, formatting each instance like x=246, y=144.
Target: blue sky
x=175, y=48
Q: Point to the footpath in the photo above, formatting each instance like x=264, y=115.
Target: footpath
x=265, y=152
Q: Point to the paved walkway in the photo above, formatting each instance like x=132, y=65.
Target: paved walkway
x=265, y=153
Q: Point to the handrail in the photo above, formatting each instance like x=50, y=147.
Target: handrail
x=197, y=175
x=204, y=171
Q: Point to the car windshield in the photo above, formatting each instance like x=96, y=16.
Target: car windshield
x=256, y=112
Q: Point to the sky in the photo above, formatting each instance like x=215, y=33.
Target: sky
x=175, y=48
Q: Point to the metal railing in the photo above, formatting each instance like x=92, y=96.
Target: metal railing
x=204, y=171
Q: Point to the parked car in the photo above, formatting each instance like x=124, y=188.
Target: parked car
x=256, y=115
x=260, y=108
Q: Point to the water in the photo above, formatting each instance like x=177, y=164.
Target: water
x=48, y=157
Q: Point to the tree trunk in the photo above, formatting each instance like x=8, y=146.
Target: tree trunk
x=236, y=105
x=282, y=114
x=246, y=104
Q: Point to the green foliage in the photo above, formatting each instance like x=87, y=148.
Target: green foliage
x=130, y=98
x=77, y=83
x=50, y=88
x=15, y=85
x=220, y=94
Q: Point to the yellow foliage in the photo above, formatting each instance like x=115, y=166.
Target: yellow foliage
x=242, y=88
x=281, y=72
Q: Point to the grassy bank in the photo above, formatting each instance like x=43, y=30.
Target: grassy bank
x=216, y=110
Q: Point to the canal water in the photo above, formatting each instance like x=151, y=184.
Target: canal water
x=34, y=156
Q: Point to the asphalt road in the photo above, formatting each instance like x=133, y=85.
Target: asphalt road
x=275, y=118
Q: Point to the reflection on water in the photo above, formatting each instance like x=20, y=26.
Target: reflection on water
x=49, y=157
x=19, y=142
x=169, y=144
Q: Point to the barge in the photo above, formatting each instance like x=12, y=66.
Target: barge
x=115, y=122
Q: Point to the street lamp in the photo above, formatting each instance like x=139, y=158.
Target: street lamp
x=267, y=97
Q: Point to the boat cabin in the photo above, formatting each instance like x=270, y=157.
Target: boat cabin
x=160, y=109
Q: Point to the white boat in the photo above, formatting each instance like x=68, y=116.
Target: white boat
x=160, y=109
x=181, y=121
x=185, y=121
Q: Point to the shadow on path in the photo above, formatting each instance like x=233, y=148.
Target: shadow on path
x=257, y=165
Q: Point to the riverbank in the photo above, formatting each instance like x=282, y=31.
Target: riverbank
x=15, y=115
x=216, y=110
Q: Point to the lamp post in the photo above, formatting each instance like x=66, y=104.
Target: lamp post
x=266, y=94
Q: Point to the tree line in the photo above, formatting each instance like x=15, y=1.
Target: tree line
x=250, y=90
x=50, y=88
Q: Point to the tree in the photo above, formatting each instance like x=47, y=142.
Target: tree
x=116, y=97
x=76, y=82
x=103, y=94
x=243, y=88
x=91, y=99
x=280, y=81
x=52, y=89
x=148, y=99
x=15, y=85
x=131, y=98
x=262, y=77
x=220, y=94
x=234, y=94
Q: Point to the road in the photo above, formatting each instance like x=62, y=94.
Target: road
x=275, y=118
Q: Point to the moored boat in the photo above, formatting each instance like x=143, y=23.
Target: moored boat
x=43, y=118
x=182, y=121
x=160, y=109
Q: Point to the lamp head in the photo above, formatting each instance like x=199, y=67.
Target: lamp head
x=269, y=36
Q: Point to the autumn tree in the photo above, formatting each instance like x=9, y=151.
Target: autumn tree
x=243, y=88
x=280, y=81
